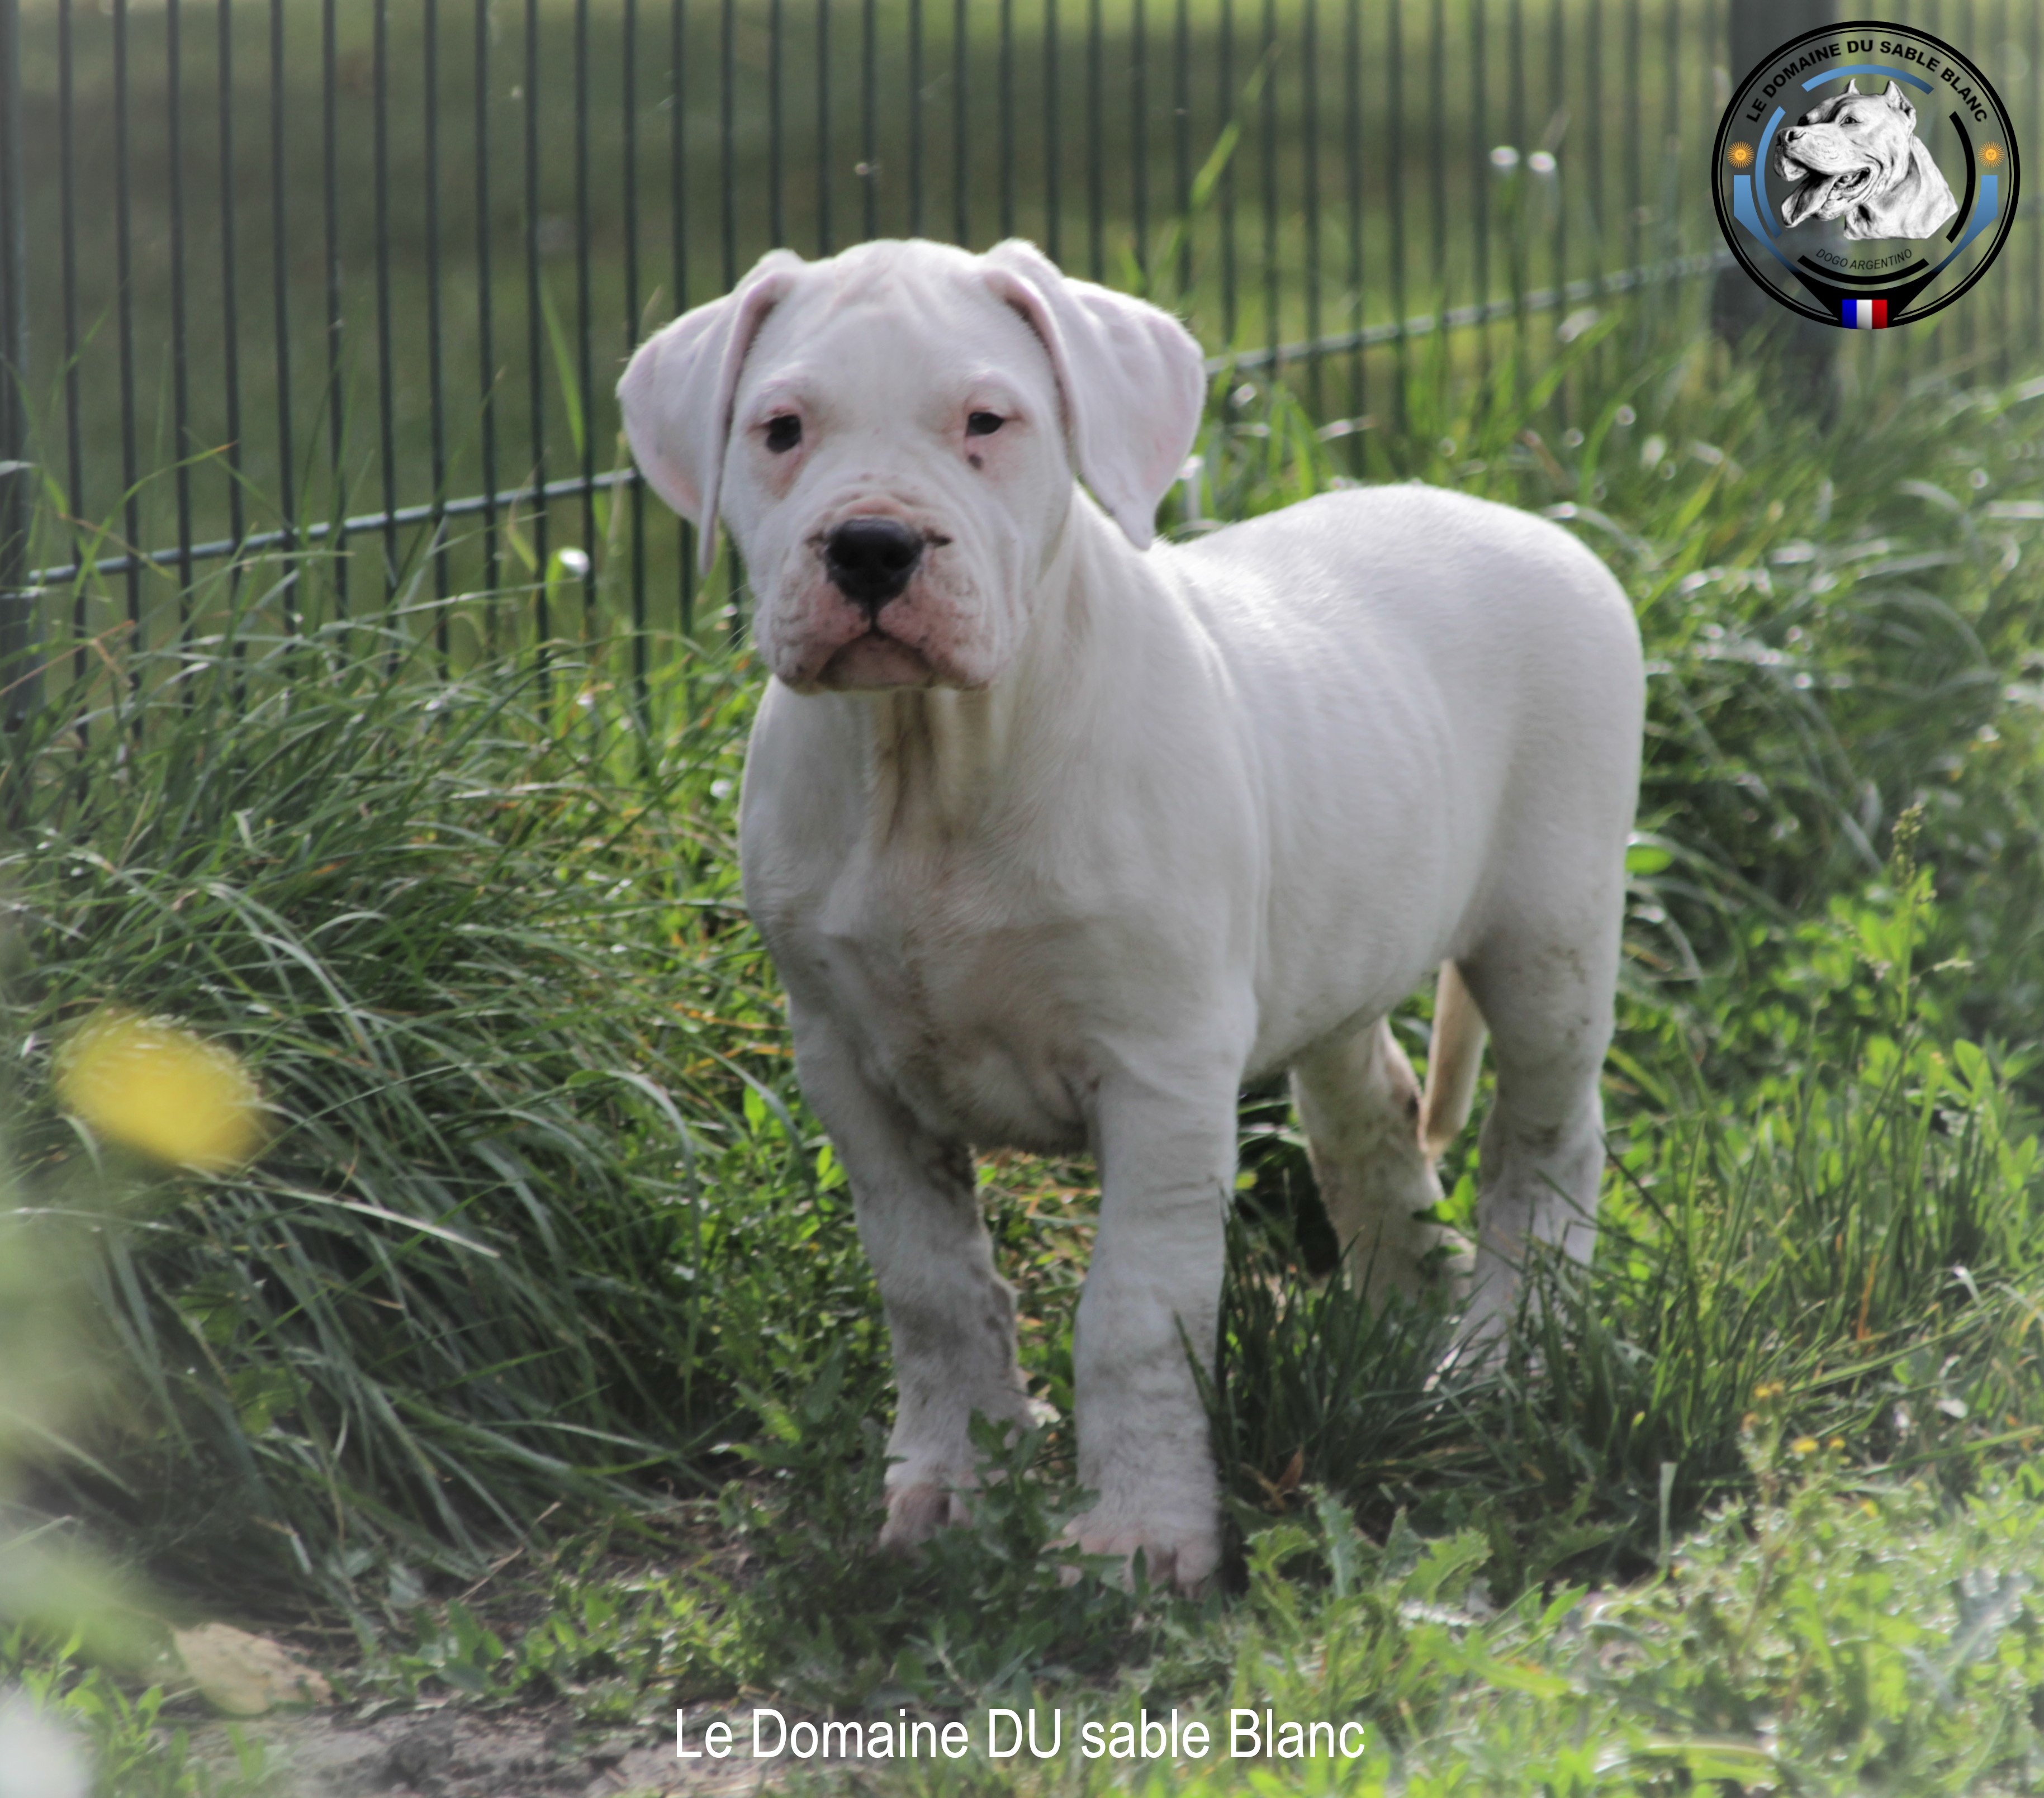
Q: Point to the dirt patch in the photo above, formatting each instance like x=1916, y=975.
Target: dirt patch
x=461, y=1753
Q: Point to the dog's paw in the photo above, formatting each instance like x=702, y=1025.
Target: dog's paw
x=915, y=1513
x=1480, y=1338
x=1183, y=1558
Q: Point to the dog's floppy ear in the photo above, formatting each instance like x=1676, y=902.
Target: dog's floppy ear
x=1130, y=376
x=678, y=391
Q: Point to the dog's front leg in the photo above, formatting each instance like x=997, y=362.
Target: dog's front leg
x=950, y=1316
x=1152, y=1301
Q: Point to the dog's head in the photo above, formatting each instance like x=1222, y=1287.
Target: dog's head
x=1849, y=150
x=891, y=436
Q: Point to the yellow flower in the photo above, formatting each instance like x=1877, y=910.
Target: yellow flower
x=155, y=1087
x=1804, y=1445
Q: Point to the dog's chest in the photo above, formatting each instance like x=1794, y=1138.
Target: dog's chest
x=963, y=999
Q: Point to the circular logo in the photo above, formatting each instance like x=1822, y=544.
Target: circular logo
x=1866, y=174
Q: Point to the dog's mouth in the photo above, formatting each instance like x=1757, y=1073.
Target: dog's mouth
x=1821, y=193
x=874, y=659
x=1841, y=181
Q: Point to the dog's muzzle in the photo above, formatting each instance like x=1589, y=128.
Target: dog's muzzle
x=871, y=560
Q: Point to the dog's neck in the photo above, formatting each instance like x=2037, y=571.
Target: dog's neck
x=936, y=758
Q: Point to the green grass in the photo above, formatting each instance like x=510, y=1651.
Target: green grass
x=546, y=1262
x=466, y=1276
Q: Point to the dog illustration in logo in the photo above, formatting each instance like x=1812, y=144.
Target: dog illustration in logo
x=1857, y=157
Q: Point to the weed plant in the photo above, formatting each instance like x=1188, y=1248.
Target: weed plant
x=466, y=1278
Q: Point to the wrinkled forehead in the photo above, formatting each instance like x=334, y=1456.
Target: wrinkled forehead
x=888, y=323
x=1858, y=112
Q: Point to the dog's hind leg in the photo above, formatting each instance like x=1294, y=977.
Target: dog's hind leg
x=1361, y=1107
x=1545, y=983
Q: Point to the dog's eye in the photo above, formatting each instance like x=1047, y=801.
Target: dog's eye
x=783, y=432
x=983, y=424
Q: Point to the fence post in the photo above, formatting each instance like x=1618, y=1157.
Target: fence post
x=1807, y=350
x=18, y=599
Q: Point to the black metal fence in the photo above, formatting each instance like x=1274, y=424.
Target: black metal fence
x=321, y=302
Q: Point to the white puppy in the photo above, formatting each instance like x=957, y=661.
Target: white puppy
x=1058, y=837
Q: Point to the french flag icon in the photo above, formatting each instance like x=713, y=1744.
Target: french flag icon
x=1866, y=315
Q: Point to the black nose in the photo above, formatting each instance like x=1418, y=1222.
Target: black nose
x=870, y=560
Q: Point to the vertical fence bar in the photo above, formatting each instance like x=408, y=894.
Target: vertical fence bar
x=1601, y=233
x=123, y=236
x=1053, y=139
x=1096, y=197
x=17, y=601
x=585, y=407
x=1671, y=141
x=728, y=172
x=485, y=334
x=1181, y=144
x=637, y=501
x=230, y=311
x=824, y=245
x=1635, y=149
x=280, y=324
x=1437, y=172
x=2002, y=43
x=915, y=118
x=1309, y=57
x=436, y=368
x=1138, y=150
x=677, y=211
x=1231, y=118
x=1554, y=141
x=1521, y=192
x=776, y=203
x=74, y=498
x=535, y=352
x=387, y=405
x=1267, y=67
x=869, y=120
x=1358, y=374
x=330, y=174
x=1964, y=315
x=1479, y=174
x=1006, y=118
x=1394, y=175
x=727, y=129
x=960, y=140
x=181, y=438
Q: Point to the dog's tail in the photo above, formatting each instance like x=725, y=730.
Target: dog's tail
x=1451, y=1062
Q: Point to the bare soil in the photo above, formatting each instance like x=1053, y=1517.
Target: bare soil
x=451, y=1753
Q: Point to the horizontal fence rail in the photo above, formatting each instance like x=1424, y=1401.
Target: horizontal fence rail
x=344, y=286
x=1540, y=300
